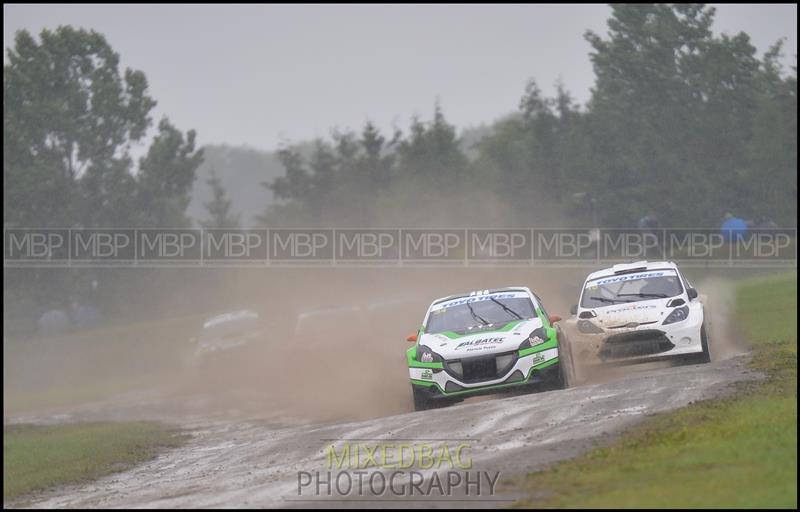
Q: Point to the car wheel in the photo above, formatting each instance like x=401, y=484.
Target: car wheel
x=562, y=381
x=421, y=402
x=705, y=357
x=566, y=368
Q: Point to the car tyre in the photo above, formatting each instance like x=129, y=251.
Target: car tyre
x=566, y=368
x=421, y=402
x=705, y=357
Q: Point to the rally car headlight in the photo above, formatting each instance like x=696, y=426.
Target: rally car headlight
x=426, y=355
x=677, y=315
x=588, y=327
x=537, y=337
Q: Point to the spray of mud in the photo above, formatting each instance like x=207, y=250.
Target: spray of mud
x=333, y=347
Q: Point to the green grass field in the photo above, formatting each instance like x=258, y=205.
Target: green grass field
x=731, y=452
x=39, y=457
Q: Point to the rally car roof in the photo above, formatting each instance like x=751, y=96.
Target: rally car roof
x=638, y=266
x=482, y=292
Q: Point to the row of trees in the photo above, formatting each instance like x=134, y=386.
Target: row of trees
x=71, y=123
x=681, y=123
x=70, y=120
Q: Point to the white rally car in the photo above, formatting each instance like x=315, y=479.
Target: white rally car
x=486, y=342
x=639, y=311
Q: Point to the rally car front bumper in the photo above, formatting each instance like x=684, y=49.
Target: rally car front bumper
x=641, y=343
x=476, y=376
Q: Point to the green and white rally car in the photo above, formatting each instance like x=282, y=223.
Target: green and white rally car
x=486, y=342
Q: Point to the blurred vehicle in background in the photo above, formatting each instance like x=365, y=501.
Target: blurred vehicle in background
x=84, y=316
x=313, y=324
x=53, y=322
x=59, y=322
x=228, y=337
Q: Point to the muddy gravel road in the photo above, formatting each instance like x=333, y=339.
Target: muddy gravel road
x=256, y=462
x=276, y=440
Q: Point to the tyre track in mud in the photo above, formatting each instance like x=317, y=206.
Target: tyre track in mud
x=254, y=462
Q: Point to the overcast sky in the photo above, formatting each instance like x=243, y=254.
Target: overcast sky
x=261, y=74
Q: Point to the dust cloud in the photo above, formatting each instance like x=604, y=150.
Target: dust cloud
x=332, y=346
x=344, y=356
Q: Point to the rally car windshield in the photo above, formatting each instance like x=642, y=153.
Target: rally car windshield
x=630, y=288
x=475, y=315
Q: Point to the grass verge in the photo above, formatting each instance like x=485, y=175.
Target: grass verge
x=37, y=457
x=739, y=451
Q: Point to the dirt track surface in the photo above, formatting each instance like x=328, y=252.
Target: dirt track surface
x=250, y=462
x=256, y=424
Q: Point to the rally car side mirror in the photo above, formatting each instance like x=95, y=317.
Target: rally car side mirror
x=573, y=310
x=692, y=293
x=412, y=338
x=554, y=319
